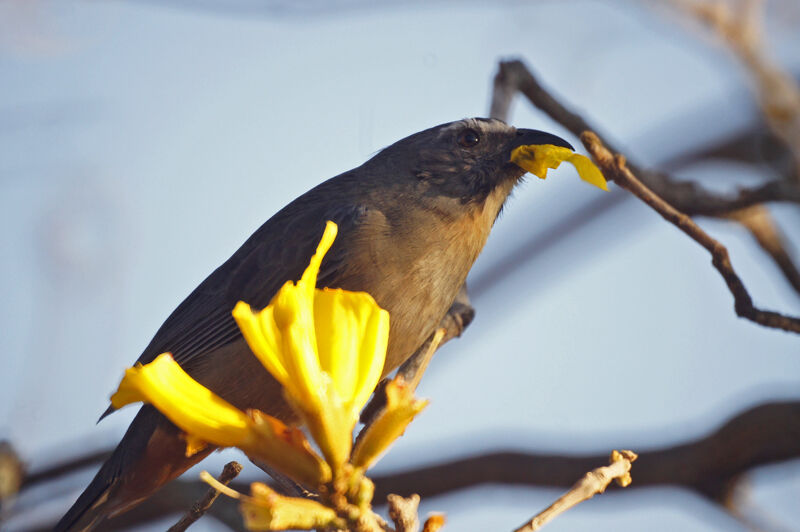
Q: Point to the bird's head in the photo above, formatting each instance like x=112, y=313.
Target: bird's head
x=465, y=160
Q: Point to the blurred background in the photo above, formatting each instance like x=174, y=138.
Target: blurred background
x=141, y=142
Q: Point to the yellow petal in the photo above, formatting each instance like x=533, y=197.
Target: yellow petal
x=434, y=523
x=267, y=510
x=401, y=408
x=309, y=277
x=282, y=338
x=326, y=347
x=263, y=337
x=306, y=381
x=207, y=418
x=588, y=171
x=187, y=403
x=194, y=445
x=293, y=313
x=537, y=158
x=372, y=356
x=331, y=426
x=352, y=334
x=287, y=450
x=337, y=328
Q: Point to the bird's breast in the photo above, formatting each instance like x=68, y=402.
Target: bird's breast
x=417, y=266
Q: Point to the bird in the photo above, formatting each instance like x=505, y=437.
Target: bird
x=412, y=221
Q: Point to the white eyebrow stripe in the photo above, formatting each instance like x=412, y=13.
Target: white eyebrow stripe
x=493, y=125
x=459, y=124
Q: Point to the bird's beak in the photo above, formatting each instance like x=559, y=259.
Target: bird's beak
x=536, y=151
x=530, y=137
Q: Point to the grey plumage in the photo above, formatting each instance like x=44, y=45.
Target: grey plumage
x=412, y=220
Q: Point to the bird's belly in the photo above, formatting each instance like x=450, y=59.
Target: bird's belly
x=413, y=318
x=417, y=298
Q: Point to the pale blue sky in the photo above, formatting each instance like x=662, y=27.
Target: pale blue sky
x=140, y=145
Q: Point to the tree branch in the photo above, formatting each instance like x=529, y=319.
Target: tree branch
x=403, y=512
x=762, y=435
x=688, y=197
x=457, y=319
x=12, y=473
x=709, y=466
x=762, y=226
x=434, y=523
x=591, y=484
x=199, y=508
x=65, y=467
x=742, y=28
x=614, y=167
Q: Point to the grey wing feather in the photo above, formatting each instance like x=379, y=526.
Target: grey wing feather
x=277, y=252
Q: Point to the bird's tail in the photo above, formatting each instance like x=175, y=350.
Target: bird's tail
x=91, y=508
x=151, y=453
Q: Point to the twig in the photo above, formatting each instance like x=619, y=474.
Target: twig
x=12, y=473
x=709, y=466
x=434, y=523
x=707, y=204
x=65, y=467
x=688, y=197
x=749, y=513
x=283, y=483
x=457, y=319
x=199, y=508
x=403, y=512
x=761, y=435
x=755, y=145
x=418, y=365
x=591, y=484
x=615, y=166
x=741, y=29
x=760, y=224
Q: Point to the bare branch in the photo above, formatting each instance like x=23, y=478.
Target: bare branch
x=591, y=484
x=12, y=473
x=403, y=511
x=284, y=484
x=760, y=224
x=761, y=435
x=457, y=319
x=755, y=145
x=65, y=467
x=710, y=466
x=741, y=28
x=616, y=168
x=199, y=508
x=688, y=197
x=434, y=523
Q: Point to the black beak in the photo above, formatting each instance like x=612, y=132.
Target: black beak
x=526, y=137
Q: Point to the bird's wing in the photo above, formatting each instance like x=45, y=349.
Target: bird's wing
x=277, y=252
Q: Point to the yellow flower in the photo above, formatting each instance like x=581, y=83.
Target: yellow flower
x=401, y=408
x=536, y=159
x=267, y=510
x=326, y=347
x=206, y=417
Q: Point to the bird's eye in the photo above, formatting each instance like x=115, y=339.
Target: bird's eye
x=468, y=138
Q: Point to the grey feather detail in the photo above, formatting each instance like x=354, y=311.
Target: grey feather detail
x=203, y=322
